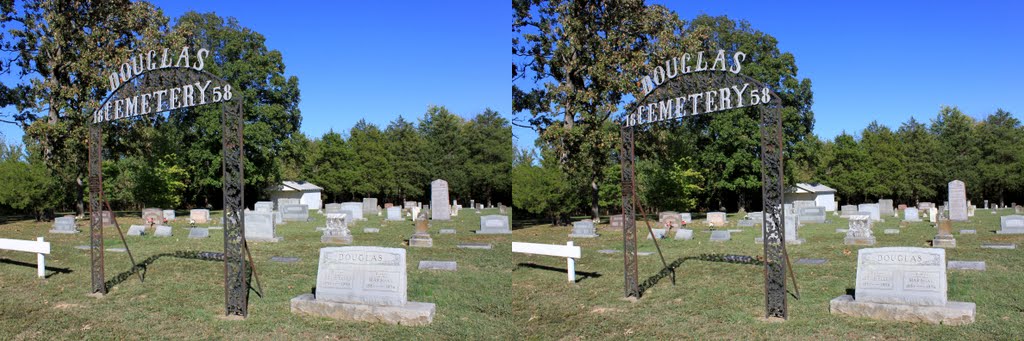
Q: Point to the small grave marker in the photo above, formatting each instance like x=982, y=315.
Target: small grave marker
x=438, y=265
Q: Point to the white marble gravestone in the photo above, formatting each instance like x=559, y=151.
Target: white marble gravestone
x=336, y=230
x=933, y=214
x=198, y=233
x=169, y=215
x=720, y=236
x=957, y=201
x=872, y=209
x=259, y=227
x=162, y=231
x=658, y=233
x=263, y=206
x=439, y=208
x=583, y=229
x=686, y=217
x=1011, y=224
x=395, y=213
x=370, y=206
x=64, y=225
x=716, y=219
x=333, y=208
x=355, y=210
x=293, y=212
x=684, y=234
x=903, y=284
x=885, y=207
x=911, y=214
x=814, y=214
x=859, y=232
x=847, y=210
x=494, y=224
x=136, y=230
x=200, y=215
x=790, y=230
x=363, y=283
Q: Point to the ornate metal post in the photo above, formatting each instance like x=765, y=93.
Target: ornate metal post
x=96, y=207
x=628, y=159
x=236, y=285
x=774, y=213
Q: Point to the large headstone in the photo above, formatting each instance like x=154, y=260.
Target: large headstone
x=370, y=206
x=957, y=201
x=1011, y=224
x=363, y=283
x=64, y=225
x=859, y=232
x=354, y=208
x=583, y=229
x=670, y=221
x=439, y=209
x=332, y=208
x=911, y=214
x=885, y=207
x=264, y=206
x=200, y=215
x=169, y=215
x=665, y=214
x=847, y=210
x=288, y=201
x=494, y=224
x=107, y=218
x=395, y=213
x=292, y=212
x=716, y=219
x=154, y=215
x=259, y=227
x=814, y=214
x=903, y=284
x=876, y=213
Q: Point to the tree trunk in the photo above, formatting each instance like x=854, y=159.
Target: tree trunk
x=594, y=196
x=80, y=197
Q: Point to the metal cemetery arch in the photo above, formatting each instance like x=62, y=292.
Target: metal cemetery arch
x=776, y=259
x=152, y=82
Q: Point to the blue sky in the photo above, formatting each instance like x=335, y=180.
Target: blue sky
x=886, y=61
x=376, y=59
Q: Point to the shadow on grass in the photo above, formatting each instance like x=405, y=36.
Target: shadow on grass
x=581, y=275
x=667, y=271
x=200, y=255
x=34, y=265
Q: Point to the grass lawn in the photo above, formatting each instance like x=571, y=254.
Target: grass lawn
x=183, y=298
x=714, y=299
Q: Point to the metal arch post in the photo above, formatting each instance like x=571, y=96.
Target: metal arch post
x=628, y=159
x=96, y=208
x=772, y=180
x=236, y=285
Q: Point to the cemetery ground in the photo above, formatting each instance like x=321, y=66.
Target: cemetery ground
x=183, y=298
x=713, y=298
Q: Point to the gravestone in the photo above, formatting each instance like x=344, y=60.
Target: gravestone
x=720, y=236
x=891, y=231
x=334, y=208
x=439, y=209
x=901, y=207
x=986, y=204
x=288, y=201
x=885, y=207
x=336, y=231
x=658, y=233
x=686, y=217
x=859, y=232
x=811, y=261
x=615, y=221
x=395, y=213
x=494, y=224
x=446, y=231
x=583, y=229
x=154, y=215
x=370, y=206
x=363, y=283
x=285, y=260
x=438, y=265
x=872, y=209
x=903, y=284
x=414, y=212
x=477, y=246
x=200, y=215
x=371, y=230
x=64, y=225
x=970, y=210
x=790, y=231
x=169, y=215
x=684, y=234
x=800, y=204
x=107, y=218
x=410, y=204
x=911, y=214
x=968, y=232
x=198, y=233
x=1011, y=224
x=1018, y=209
x=264, y=206
x=355, y=210
x=756, y=217
x=933, y=214
x=136, y=230
x=293, y=212
x=965, y=265
x=814, y=214
x=665, y=214
x=924, y=206
x=670, y=221
x=259, y=227
x=1004, y=246
x=957, y=201
x=162, y=231
x=421, y=238
x=944, y=239
x=847, y=210
x=745, y=223
x=716, y=219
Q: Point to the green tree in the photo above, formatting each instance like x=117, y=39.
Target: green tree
x=371, y=160
x=958, y=148
x=445, y=151
x=1001, y=164
x=332, y=167
x=847, y=172
x=28, y=186
x=923, y=172
x=406, y=148
x=488, y=136
x=886, y=174
x=539, y=187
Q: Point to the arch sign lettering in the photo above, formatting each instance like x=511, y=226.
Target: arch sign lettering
x=157, y=81
x=695, y=84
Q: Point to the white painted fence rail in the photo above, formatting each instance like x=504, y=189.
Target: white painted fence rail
x=570, y=252
x=38, y=246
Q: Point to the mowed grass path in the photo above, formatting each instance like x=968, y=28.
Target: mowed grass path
x=184, y=298
x=718, y=300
